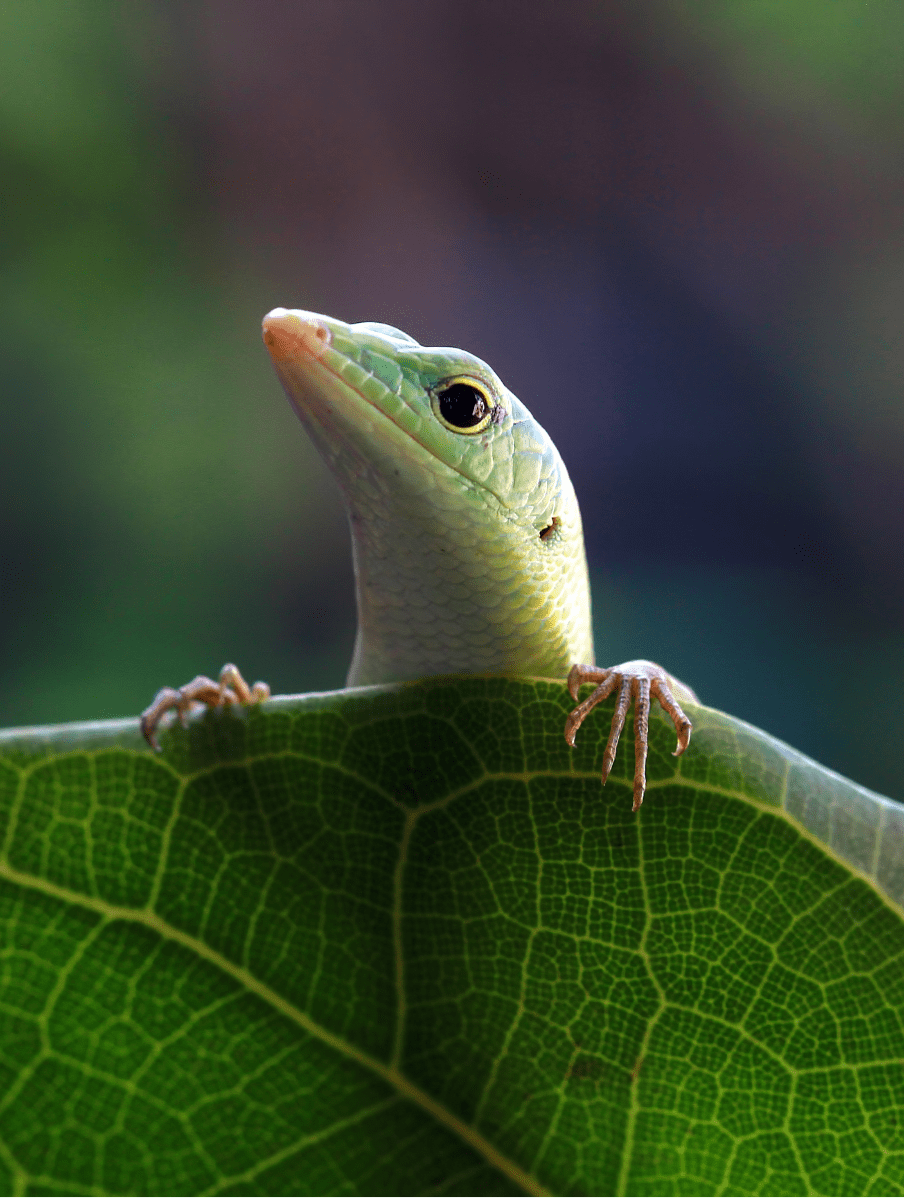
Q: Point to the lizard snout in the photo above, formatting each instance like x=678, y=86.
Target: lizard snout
x=290, y=333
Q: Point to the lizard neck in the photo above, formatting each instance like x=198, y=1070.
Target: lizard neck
x=466, y=588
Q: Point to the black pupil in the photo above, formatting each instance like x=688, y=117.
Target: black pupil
x=463, y=405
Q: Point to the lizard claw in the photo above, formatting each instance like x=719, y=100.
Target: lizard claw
x=640, y=680
x=201, y=691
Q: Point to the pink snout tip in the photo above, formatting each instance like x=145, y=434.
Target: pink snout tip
x=290, y=333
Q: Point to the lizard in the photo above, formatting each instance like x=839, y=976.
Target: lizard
x=466, y=532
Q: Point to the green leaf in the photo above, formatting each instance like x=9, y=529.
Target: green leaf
x=400, y=941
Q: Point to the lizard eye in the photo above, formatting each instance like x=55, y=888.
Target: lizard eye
x=464, y=405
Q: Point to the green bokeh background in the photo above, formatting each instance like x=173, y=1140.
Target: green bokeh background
x=156, y=489
x=161, y=510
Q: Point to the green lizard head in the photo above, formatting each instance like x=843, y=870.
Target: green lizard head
x=368, y=393
x=459, y=503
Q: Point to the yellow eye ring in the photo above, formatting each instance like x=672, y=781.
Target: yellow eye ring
x=464, y=404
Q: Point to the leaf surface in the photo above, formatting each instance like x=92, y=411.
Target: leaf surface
x=399, y=940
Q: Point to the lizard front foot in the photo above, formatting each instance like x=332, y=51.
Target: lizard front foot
x=201, y=691
x=638, y=680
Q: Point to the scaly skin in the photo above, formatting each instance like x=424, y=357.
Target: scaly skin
x=466, y=533
x=453, y=576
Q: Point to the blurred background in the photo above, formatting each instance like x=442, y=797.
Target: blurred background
x=675, y=229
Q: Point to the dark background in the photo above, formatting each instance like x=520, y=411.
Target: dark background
x=675, y=229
